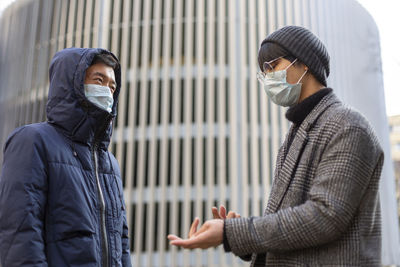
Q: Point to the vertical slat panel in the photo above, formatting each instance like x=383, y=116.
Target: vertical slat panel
x=30, y=79
x=275, y=140
x=221, y=174
x=305, y=16
x=114, y=47
x=298, y=8
x=210, y=114
x=18, y=64
x=79, y=24
x=122, y=102
x=141, y=172
x=153, y=131
x=55, y=29
x=254, y=129
x=234, y=72
x=70, y=23
x=63, y=25
x=7, y=96
x=243, y=123
x=132, y=76
x=176, y=115
x=187, y=159
x=280, y=111
x=15, y=115
x=232, y=99
x=199, y=173
x=88, y=20
x=97, y=23
x=45, y=46
x=33, y=112
x=313, y=15
x=165, y=96
x=264, y=122
x=115, y=25
x=289, y=14
x=287, y=19
x=104, y=22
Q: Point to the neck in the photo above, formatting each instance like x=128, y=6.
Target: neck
x=309, y=87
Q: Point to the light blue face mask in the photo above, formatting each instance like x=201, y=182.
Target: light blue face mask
x=278, y=89
x=99, y=95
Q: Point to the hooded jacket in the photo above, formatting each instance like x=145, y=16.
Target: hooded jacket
x=61, y=194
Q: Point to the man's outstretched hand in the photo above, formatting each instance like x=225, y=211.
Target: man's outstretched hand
x=209, y=235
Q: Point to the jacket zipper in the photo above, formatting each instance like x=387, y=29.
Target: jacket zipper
x=104, y=242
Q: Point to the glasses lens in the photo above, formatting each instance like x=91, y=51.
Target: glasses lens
x=267, y=66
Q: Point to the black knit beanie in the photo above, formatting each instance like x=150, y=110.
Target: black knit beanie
x=305, y=46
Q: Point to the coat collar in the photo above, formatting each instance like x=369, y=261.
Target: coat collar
x=286, y=165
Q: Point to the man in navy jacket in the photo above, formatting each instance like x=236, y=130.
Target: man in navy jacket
x=61, y=195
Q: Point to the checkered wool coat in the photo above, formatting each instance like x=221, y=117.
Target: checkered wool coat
x=323, y=208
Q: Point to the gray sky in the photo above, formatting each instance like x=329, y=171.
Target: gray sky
x=387, y=17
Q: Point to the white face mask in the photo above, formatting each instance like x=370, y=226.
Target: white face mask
x=278, y=89
x=99, y=95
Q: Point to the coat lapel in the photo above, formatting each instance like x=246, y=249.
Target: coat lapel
x=286, y=166
x=284, y=172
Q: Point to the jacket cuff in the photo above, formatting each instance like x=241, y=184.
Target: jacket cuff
x=242, y=236
x=227, y=247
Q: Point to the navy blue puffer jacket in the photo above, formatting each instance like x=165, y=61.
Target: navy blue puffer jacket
x=61, y=196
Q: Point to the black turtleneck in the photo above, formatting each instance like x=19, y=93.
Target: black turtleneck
x=299, y=112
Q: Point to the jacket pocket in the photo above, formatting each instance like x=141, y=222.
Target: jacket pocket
x=63, y=236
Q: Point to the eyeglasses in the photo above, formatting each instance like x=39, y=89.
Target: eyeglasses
x=267, y=67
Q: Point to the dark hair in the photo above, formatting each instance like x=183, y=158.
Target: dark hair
x=107, y=59
x=270, y=51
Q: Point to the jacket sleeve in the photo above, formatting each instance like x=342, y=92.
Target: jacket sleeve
x=343, y=175
x=23, y=187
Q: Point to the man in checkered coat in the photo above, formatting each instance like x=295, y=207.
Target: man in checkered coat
x=323, y=209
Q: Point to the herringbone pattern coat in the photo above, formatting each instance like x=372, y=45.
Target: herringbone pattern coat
x=323, y=209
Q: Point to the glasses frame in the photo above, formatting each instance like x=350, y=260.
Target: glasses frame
x=267, y=64
x=261, y=74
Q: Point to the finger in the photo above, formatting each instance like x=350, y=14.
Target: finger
x=195, y=242
x=222, y=212
x=231, y=215
x=215, y=213
x=238, y=215
x=193, y=227
x=185, y=243
x=173, y=237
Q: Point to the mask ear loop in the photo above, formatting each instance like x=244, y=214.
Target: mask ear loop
x=291, y=64
x=302, y=76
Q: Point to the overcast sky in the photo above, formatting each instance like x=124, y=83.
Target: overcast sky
x=387, y=17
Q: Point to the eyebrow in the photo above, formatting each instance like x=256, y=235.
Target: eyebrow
x=103, y=76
